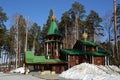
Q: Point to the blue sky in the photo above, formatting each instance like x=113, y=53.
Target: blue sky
x=38, y=10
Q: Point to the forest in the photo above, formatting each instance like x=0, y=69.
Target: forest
x=72, y=24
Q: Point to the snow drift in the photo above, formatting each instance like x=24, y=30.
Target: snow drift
x=87, y=71
x=19, y=70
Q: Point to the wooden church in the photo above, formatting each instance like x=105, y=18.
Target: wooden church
x=57, y=59
x=85, y=51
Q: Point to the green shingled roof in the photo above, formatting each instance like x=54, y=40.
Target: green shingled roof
x=52, y=41
x=87, y=43
x=30, y=58
x=80, y=52
x=101, y=50
x=95, y=53
x=42, y=59
x=72, y=51
x=53, y=29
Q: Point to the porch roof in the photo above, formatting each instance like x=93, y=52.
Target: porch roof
x=30, y=58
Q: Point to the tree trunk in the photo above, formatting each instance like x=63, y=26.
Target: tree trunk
x=76, y=25
x=66, y=37
x=115, y=33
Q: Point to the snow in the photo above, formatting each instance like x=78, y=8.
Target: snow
x=87, y=71
x=5, y=76
x=19, y=70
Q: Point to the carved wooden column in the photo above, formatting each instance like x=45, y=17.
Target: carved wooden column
x=47, y=51
x=57, y=54
x=92, y=59
x=53, y=70
x=62, y=68
x=105, y=61
x=42, y=70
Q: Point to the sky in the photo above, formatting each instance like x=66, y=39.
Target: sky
x=38, y=10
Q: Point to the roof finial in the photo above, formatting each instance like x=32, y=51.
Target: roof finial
x=53, y=17
x=84, y=36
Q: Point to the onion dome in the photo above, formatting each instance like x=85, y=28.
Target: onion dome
x=84, y=36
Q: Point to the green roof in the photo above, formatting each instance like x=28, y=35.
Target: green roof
x=72, y=51
x=80, y=52
x=101, y=50
x=30, y=58
x=91, y=53
x=53, y=29
x=88, y=43
x=42, y=59
x=52, y=41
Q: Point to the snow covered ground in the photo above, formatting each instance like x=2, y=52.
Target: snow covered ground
x=4, y=76
x=87, y=71
x=19, y=70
